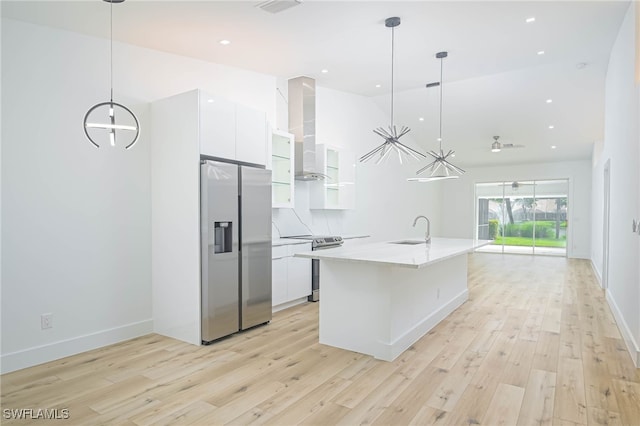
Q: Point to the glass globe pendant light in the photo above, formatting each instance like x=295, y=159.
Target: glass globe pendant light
x=102, y=115
x=391, y=135
x=440, y=167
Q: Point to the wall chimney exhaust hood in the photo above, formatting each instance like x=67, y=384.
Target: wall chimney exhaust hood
x=302, y=124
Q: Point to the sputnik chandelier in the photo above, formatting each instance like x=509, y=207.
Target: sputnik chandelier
x=391, y=135
x=440, y=167
x=132, y=125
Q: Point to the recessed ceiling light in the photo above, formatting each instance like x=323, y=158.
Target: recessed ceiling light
x=421, y=118
x=553, y=147
x=552, y=126
x=324, y=71
x=224, y=42
x=210, y=101
x=549, y=101
x=530, y=20
x=377, y=85
x=540, y=52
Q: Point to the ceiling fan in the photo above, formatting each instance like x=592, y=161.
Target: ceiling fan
x=497, y=146
x=516, y=185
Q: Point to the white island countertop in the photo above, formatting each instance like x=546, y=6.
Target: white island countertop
x=403, y=255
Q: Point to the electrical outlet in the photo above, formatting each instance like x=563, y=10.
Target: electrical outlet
x=46, y=321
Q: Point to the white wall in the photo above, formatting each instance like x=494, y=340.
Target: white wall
x=458, y=199
x=76, y=220
x=622, y=147
x=386, y=204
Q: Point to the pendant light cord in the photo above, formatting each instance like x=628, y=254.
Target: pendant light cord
x=440, y=138
x=111, y=47
x=393, y=29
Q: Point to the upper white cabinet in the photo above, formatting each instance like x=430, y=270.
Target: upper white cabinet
x=251, y=135
x=282, y=165
x=217, y=118
x=338, y=190
x=231, y=131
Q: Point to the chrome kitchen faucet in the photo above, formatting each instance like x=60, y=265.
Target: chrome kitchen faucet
x=427, y=235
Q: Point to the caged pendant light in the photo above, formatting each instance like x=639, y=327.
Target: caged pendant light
x=440, y=167
x=132, y=125
x=391, y=135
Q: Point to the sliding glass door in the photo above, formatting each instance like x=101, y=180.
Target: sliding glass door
x=526, y=217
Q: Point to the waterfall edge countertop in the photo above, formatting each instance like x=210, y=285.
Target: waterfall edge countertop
x=400, y=252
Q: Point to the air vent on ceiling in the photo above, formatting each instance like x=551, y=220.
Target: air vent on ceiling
x=275, y=6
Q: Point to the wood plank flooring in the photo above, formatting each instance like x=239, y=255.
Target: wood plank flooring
x=535, y=344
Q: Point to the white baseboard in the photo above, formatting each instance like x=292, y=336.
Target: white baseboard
x=579, y=255
x=40, y=354
x=597, y=273
x=627, y=336
x=405, y=341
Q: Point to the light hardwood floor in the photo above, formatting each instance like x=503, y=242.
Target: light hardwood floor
x=535, y=344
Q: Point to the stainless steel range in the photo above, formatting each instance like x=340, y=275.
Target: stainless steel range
x=318, y=242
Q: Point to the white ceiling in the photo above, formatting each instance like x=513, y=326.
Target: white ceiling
x=495, y=83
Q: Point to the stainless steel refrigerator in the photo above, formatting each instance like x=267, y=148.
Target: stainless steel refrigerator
x=235, y=212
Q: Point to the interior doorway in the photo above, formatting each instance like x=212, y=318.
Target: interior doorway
x=524, y=217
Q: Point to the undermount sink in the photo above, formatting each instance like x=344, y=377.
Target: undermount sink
x=408, y=242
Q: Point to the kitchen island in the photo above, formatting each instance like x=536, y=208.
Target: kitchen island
x=380, y=298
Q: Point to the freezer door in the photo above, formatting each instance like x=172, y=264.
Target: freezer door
x=219, y=250
x=255, y=246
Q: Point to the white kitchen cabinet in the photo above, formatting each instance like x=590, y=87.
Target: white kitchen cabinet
x=175, y=217
x=279, y=275
x=337, y=192
x=299, y=273
x=282, y=166
x=251, y=135
x=217, y=120
x=291, y=276
x=223, y=129
x=183, y=127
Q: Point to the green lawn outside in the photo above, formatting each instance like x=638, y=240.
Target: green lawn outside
x=528, y=242
x=550, y=223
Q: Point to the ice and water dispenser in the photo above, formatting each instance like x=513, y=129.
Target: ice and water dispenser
x=222, y=234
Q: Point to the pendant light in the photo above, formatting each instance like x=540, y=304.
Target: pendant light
x=391, y=135
x=105, y=112
x=440, y=168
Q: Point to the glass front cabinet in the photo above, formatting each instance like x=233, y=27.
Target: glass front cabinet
x=337, y=191
x=282, y=166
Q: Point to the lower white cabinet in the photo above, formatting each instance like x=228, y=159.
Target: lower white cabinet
x=291, y=276
x=299, y=273
x=279, y=281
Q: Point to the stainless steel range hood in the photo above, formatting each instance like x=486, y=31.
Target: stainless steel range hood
x=302, y=123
